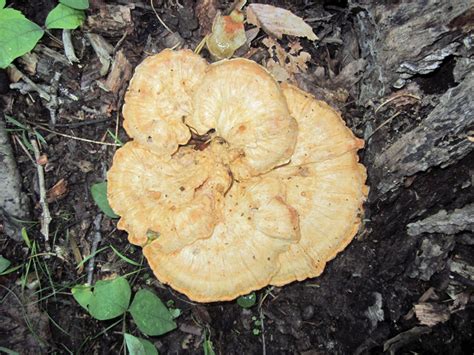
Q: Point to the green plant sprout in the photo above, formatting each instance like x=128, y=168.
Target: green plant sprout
x=18, y=35
x=109, y=299
x=99, y=194
x=24, y=131
x=247, y=301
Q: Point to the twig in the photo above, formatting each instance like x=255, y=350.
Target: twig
x=95, y=244
x=35, y=87
x=45, y=214
x=82, y=123
x=382, y=125
x=159, y=18
x=52, y=105
x=394, y=98
x=72, y=137
x=119, y=43
x=22, y=146
x=262, y=325
x=68, y=47
x=264, y=348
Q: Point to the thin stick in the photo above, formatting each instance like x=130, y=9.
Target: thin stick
x=45, y=214
x=20, y=143
x=68, y=47
x=72, y=137
x=382, y=125
x=159, y=18
x=95, y=244
x=201, y=45
x=394, y=98
x=33, y=85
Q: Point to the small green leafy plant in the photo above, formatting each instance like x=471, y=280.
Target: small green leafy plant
x=247, y=301
x=109, y=299
x=18, y=35
x=99, y=194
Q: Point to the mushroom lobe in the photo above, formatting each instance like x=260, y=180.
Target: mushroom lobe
x=158, y=99
x=268, y=190
x=244, y=104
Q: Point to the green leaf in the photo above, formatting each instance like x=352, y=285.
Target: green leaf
x=106, y=300
x=2, y=3
x=12, y=269
x=139, y=346
x=247, y=301
x=24, y=235
x=4, y=264
x=150, y=314
x=76, y=4
x=14, y=122
x=175, y=312
x=18, y=35
x=111, y=298
x=99, y=194
x=64, y=17
x=207, y=347
x=83, y=295
x=124, y=258
x=6, y=350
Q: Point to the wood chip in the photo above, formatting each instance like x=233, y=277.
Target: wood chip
x=58, y=191
x=431, y=314
x=120, y=73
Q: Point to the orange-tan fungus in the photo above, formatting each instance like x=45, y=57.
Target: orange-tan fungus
x=244, y=183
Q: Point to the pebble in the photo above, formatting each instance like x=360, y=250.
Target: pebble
x=308, y=312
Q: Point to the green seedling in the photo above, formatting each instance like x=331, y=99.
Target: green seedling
x=99, y=194
x=247, y=301
x=139, y=346
x=109, y=299
x=18, y=35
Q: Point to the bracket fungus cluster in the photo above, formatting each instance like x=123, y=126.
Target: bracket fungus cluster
x=232, y=182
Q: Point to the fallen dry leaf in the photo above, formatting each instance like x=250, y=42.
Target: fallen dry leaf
x=58, y=191
x=277, y=21
x=285, y=65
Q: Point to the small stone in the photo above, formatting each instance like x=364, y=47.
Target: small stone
x=308, y=312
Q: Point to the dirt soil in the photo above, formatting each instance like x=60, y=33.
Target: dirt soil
x=364, y=300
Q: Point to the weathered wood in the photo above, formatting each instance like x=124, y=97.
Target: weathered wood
x=407, y=38
x=440, y=139
x=459, y=220
x=13, y=202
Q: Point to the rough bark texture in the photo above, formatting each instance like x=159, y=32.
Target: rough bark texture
x=459, y=220
x=407, y=38
x=441, y=139
x=13, y=202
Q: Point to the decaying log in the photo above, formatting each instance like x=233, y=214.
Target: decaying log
x=406, y=38
x=461, y=219
x=13, y=202
x=440, y=140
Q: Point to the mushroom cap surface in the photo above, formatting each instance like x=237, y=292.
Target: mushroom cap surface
x=325, y=184
x=158, y=99
x=244, y=104
x=179, y=198
x=271, y=191
x=242, y=253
